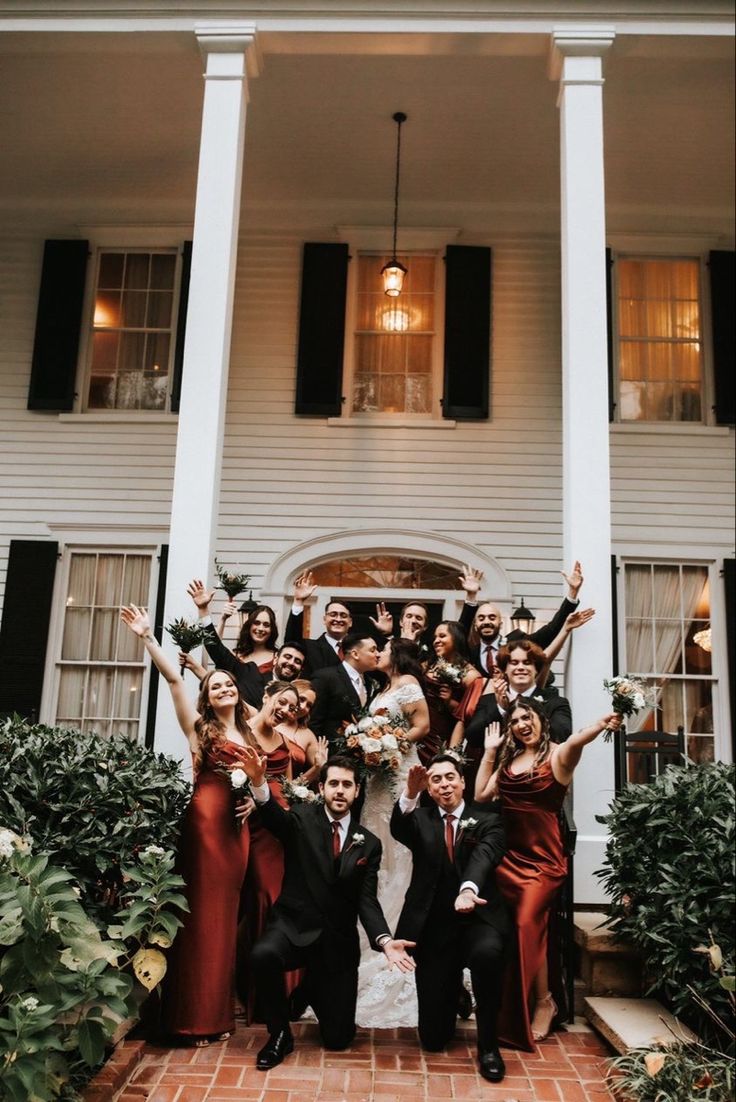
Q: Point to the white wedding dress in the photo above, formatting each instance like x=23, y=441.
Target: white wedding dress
x=386, y=997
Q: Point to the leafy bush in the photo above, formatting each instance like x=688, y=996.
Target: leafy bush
x=673, y=1073
x=669, y=871
x=91, y=803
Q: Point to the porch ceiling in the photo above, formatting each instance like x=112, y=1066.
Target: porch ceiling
x=106, y=126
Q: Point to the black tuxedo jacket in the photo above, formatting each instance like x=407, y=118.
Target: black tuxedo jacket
x=248, y=678
x=542, y=636
x=337, y=701
x=320, y=654
x=555, y=707
x=320, y=895
x=428, y=910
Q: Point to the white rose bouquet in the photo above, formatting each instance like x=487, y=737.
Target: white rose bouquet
x=447, y=673
x=296, y=792
x=628, y=696
x=377, y=742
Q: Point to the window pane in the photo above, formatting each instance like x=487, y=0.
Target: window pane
x=107, y=309
x=632, y=401
x=391, y=394
x=111, y=269
x=102, y=391
x=698, y=641
x=136, y=270
x=104, y=352
x=418, y=394
x=126, y=703
x=699, y=704
x=700, y=749
x=134, y=309
x=136, y=581
x=159, y=309
x=639, y=654
x=82, y=573
x=71, y=695
x=365, y=393
x=163, y=267
x=104, y=632
x=75, y=643
x=99, y=693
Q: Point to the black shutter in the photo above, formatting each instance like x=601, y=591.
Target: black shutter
x=614, y=613
x=729, y=581
x=24, y=632
x=609, y=334
x=58, y=322
x=321, y=330
x=722, y=296
x=467, y=332
x=158, y=631
x=181, y=325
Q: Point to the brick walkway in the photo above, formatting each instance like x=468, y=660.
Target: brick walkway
x=381, y=1066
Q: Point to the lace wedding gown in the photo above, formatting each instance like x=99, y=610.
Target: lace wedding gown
x=386, y=997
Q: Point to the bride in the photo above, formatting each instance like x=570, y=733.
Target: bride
x=387, y=999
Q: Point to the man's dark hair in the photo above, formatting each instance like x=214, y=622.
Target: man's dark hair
x=414, y=604
x=453, y=760
x=337, y=601
x=295, y=645
x=354, y=639
x=339, y=761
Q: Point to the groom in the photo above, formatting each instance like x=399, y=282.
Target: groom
x=453, y=909
x=330, y=876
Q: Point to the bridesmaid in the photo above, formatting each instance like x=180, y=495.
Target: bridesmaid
x=443, y=698
x=258, y=635
x=308, y=753
x=532, y=778
x=197, y=994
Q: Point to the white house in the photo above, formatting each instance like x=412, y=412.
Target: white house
x=196, y=357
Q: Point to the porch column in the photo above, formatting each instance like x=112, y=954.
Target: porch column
x=229, y=54
x=577, y=61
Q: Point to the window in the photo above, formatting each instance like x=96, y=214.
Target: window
x=100, y=663
x=394, y=354
x=132, y=339
x=660, y=351
x=668, y=642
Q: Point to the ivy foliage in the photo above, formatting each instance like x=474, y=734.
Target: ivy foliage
x=669, y=872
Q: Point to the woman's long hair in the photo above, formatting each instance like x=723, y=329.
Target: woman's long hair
x=245, y=644
x=459, y=642
x=511, y=748
x=208, y=728
x=405, y=657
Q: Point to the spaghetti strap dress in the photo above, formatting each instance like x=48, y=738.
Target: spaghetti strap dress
x=530, y=876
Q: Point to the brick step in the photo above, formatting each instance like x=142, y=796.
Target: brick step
x=634, y=1023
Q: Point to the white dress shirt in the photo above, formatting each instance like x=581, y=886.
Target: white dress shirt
x=531, y=691
x=406, y=805
x=357, y=680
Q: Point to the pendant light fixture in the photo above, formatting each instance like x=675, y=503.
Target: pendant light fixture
x=394, y=271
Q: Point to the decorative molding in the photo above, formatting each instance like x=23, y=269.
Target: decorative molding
x=579, y=43
x=218, y=39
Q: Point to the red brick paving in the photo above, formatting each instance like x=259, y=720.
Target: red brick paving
x=381, y=1066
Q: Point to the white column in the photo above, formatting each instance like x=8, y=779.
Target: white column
x=577, y=60
x=230, y=58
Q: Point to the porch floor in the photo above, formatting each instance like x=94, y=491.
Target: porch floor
x=381, y=1066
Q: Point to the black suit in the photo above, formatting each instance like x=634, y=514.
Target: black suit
x=313, y=923
x=446, y=941
x=320, y=653
x=542, y=636
x=247, y=676
x=555, y=707
x=337, y=701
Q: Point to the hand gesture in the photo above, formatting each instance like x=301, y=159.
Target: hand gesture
x=579, y=617
x=384, y=621
x=396, y=954
x=244, y=808
x=416, y=781
x=229, y=609
x=467, y=901
x=445, y=693
x=200, y=594
x=136, y=619
x=412, y=633
x=254, y=766
x=493, y=739
x=304, y=587
x=500, y=688
x=611, y=722
x=470, y=580
x=574, y=580
x=322, y=753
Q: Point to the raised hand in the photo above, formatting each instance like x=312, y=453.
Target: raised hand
x=188, y=663
x=136, y=619
x=304, y=586
x=322, y=753
x=500, y=688
x=396, y=954
x=229, y=609
x=384, y=621
x=467, y=901
x=611, y=722
x=574, y=580
x=493, y=738
x=254, y=766
x=416, y=781
x=579, y=617
x=199, y=593
x=470, y=580
x=411, y=632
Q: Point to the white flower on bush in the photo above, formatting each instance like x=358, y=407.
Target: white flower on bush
x=300, y=791
x=372, y=745
x=153, y=851
x=238, y=778
x=29, y=1003
x=9, y=842
x=389, y=742
x=366, y=723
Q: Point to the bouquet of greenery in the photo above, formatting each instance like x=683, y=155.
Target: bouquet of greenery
x=185, y=634
x=233, y=584
x=628, y=696
x=298, y=793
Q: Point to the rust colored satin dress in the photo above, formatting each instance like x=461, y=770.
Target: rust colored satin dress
x=530, y=877
x=197, y=993
x=441, y=720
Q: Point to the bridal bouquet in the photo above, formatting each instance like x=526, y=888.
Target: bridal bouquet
x=628, y=696
x=377, y=742
x=233, y=584
x=297, y=793
x=185, y=634
x=446, y=672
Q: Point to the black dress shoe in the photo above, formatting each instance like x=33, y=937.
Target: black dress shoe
x=491, y=1065
x=275, y=1049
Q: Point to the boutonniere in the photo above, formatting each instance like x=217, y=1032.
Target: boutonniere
x=468, y=824
x=357, y=839
x=539, y=699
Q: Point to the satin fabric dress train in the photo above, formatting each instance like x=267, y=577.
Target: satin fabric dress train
x=197, y=991
x=530, y=876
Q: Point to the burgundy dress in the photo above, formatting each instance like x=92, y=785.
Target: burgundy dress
x=197, y=992
x=441, y=720
x=530, y=877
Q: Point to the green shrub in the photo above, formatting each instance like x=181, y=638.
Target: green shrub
x=673, y=1073
x=91, y=803
x=669, y=871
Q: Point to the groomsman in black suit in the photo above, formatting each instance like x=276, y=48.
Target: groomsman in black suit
x=453, y=909
x=330, y=879
x=346, y=689
x=482, y=622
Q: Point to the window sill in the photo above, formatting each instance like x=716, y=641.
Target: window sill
x=121, y=417
x=681, y=428
x=389, y=423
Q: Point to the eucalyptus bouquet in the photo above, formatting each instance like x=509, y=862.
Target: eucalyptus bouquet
x=232, y=583
x=185, y=634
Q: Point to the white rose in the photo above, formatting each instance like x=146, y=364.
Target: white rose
x=639, y=701
x=238, y=778
x=389, y=742
x=366, y=723
x=351, y=729
x=381, y=721
x=372, y=745
x=300, y=791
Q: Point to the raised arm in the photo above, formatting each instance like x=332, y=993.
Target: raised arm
x=566, y=756
x=575, y=620
x=137, y=620
x=486, y=781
